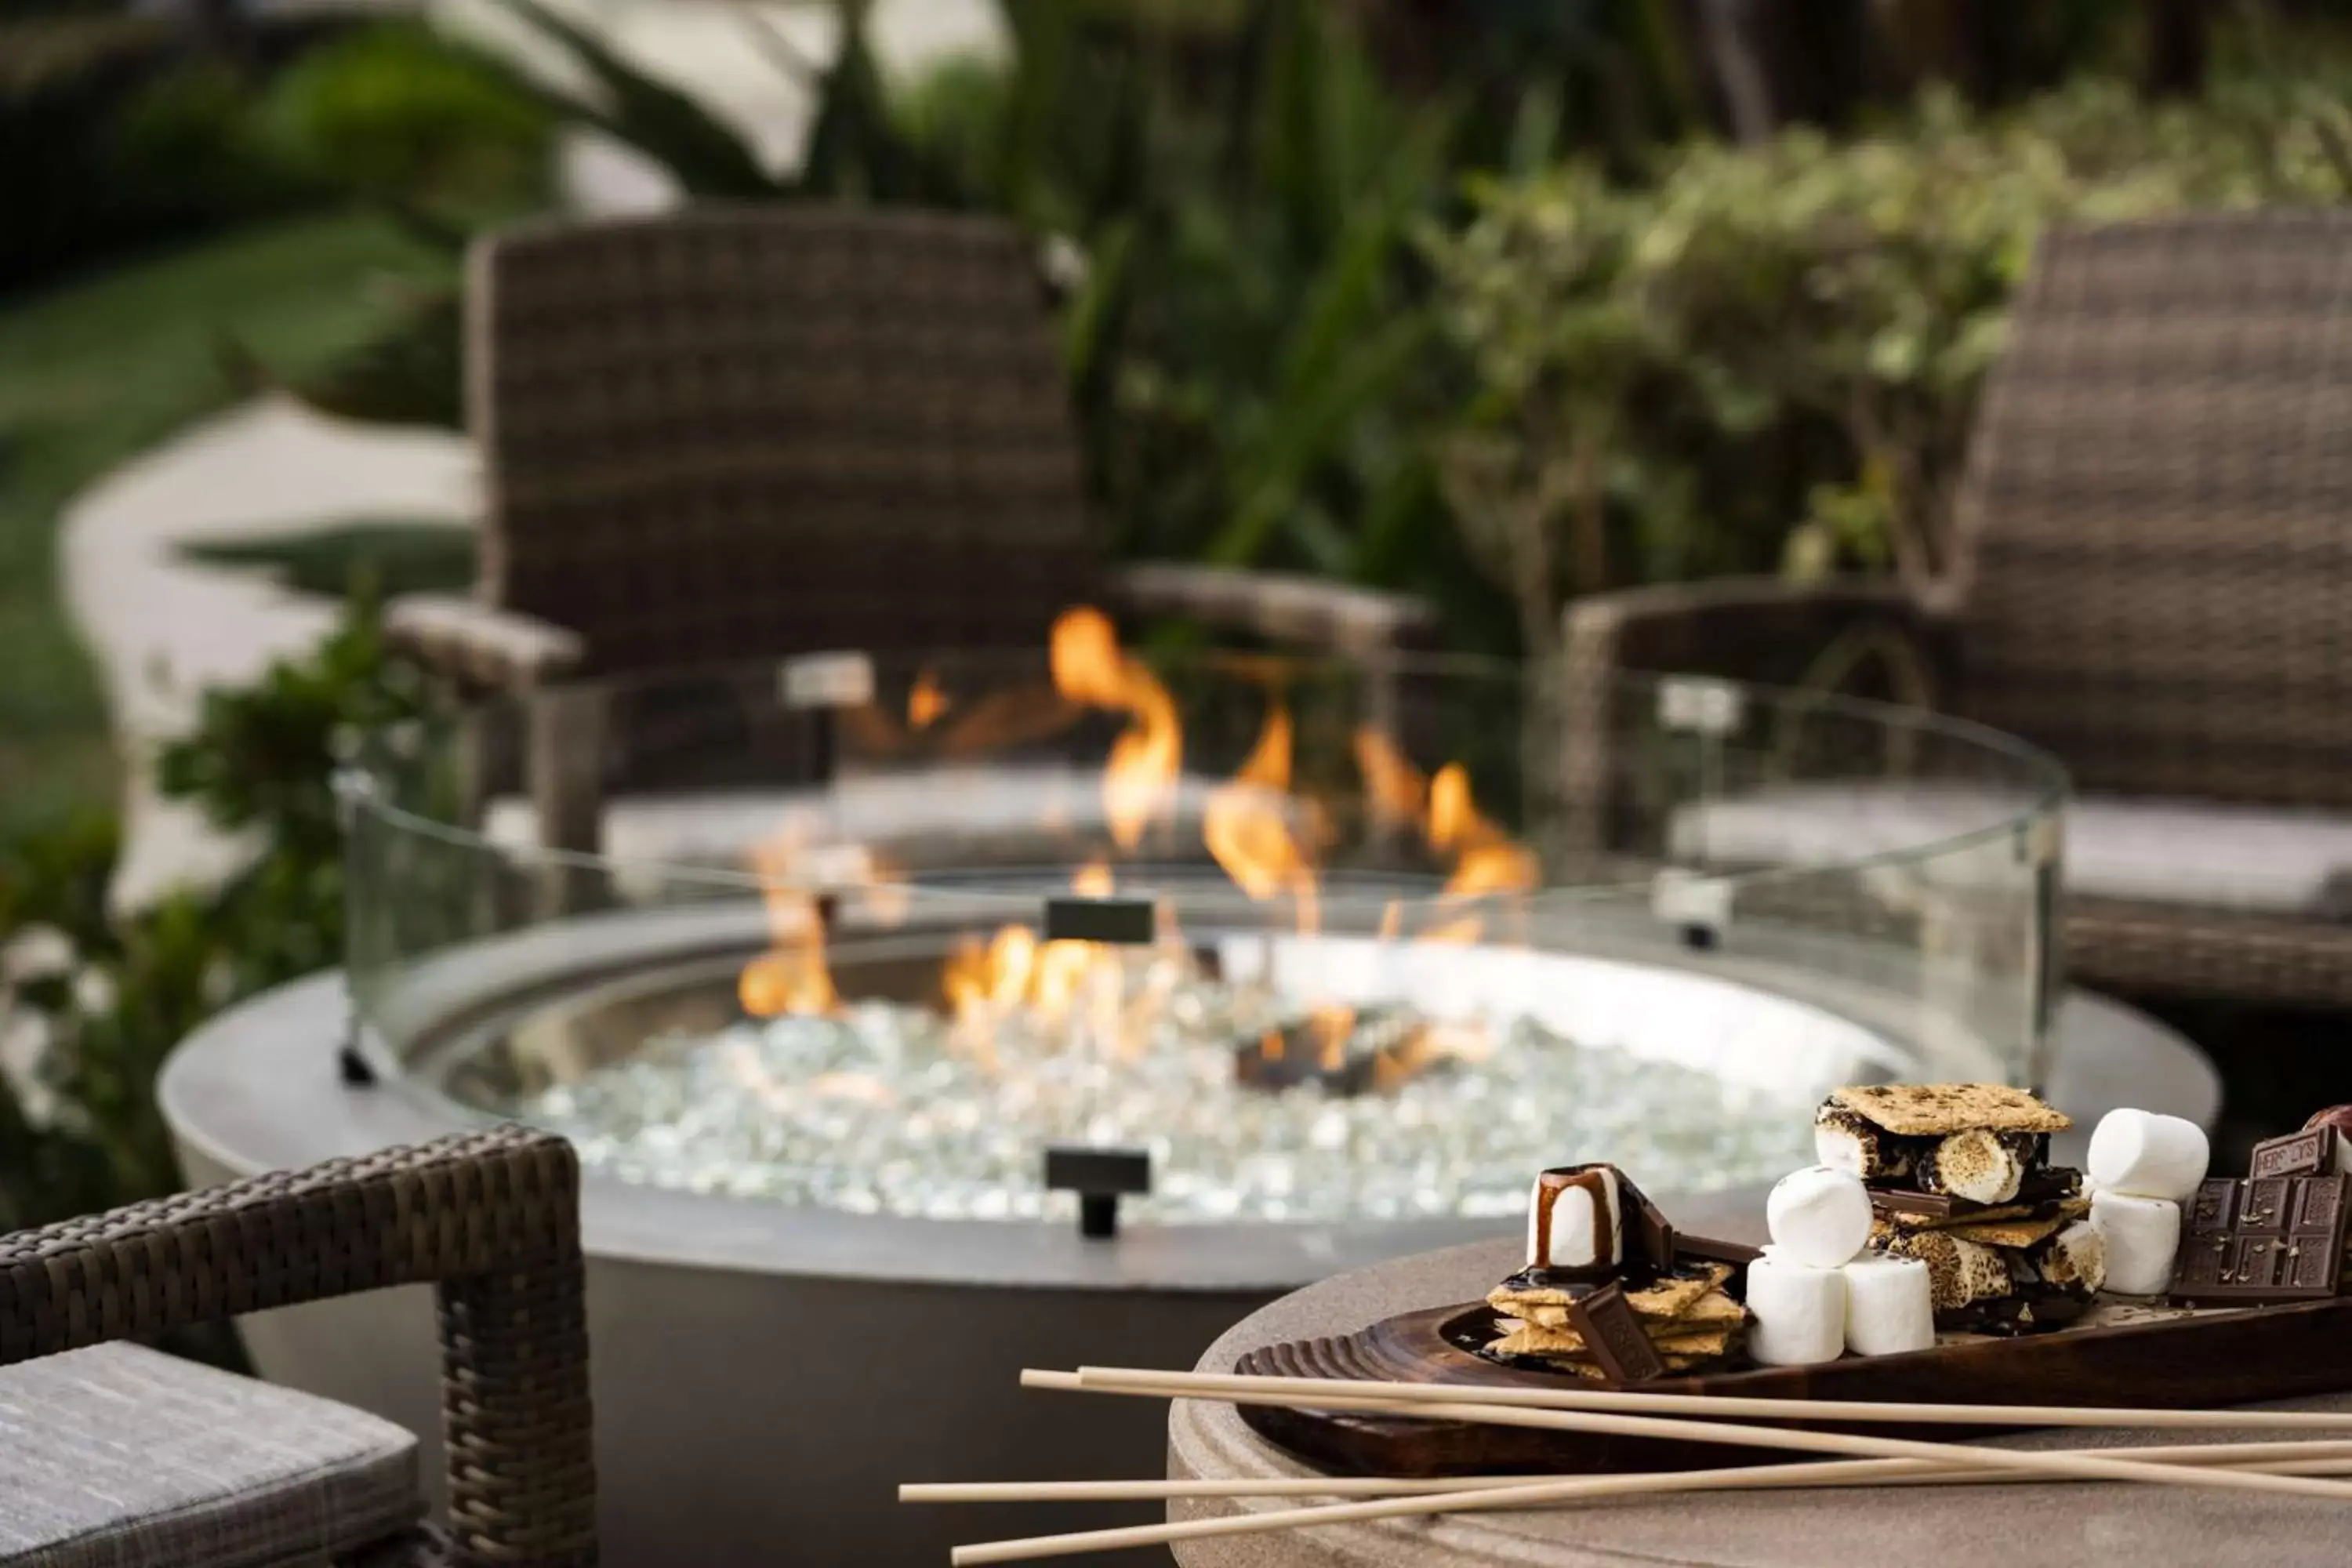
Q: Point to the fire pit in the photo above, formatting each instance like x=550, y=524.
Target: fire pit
x=922, y=1012
x=1261, y=923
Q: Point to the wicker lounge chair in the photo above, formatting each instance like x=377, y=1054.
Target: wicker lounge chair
x=743, y=434
x=117, y=1455
x=2156, y=583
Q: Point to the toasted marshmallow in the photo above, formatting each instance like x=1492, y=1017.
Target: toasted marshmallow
x=1576, y=1219
x=1982, y=1166
x=1818, y=1216
x=1958, y=1272
x=1846, y=1140
x=2073, y=1260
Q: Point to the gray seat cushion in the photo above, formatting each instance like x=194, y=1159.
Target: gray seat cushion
x=121, y=1457
x=2257, y=859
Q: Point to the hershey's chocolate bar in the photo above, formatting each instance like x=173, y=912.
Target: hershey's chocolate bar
x=2270, y=1238
x=2307, y=1153
x=1614, y=1335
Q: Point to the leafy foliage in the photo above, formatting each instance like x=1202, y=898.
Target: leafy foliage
x=399, y=114
x=111, y=995
x=1671, y=375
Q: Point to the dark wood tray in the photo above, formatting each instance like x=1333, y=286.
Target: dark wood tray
x=2123, y=1353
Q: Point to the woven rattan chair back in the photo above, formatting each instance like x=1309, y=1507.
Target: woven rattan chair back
x=730, y=434
x=2157, y=524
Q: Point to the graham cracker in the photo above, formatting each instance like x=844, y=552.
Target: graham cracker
x=1540, y=1340
x=1518, y=1344
x=1668, y=1298
x=1932, y=1110
x=2018, y=1232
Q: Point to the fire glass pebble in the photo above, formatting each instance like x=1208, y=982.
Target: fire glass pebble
x=886, y=1109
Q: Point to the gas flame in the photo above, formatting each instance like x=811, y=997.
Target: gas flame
x=791, y=976
x=1245, y=829
x=1486, y=861
x=1394, y=791
x=926, y=701
x=1013, y=971
x=1139, y=780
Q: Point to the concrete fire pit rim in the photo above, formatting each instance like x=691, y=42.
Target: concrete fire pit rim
x=256, y=1089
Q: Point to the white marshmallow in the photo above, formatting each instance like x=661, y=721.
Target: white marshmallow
x=2141, y=1235
x=1576, y=1224
x=2147, y=1156
x=1818, y=1216
x=1888, y=1309
x=1800, y=1311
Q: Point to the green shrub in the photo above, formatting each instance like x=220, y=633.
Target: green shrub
x=122, y=991
x=1774, y=352
x=397, y=111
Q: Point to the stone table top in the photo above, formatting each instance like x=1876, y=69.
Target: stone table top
x=2069, y=1525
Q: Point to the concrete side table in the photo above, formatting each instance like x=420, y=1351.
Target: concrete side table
x=2080, y=1525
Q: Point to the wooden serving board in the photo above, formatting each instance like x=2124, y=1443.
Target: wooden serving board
x=2122, y=1354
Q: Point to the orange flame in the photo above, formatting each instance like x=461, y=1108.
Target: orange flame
x=1394, y=790
x=1244, y=825
x=791, y=976
x=984, y=981
x=1139, y=780
x=926, y=701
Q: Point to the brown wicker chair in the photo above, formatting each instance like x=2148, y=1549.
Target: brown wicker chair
x=745, y=434
x=491, y=1217
x=2155, y=584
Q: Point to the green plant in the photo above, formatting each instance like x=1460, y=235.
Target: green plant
x=398, y=114
x=1774, y=352
x=109, y=993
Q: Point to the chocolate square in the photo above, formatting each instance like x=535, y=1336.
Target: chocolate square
x=1614, y=1335
x=2216, y=1208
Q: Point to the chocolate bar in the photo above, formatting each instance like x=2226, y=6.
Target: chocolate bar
x=1614, y=1336
x=2270, y=1238
x=2307, y=1153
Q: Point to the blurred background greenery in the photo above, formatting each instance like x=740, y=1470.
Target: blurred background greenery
x=1498, y=302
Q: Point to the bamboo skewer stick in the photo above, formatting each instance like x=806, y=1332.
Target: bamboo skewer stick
x=2304, y=1459
x=1794, y=1439
x=1305, y=1391
x=1485, y=1497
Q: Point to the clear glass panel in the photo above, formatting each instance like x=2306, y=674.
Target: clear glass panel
x=1367, y=942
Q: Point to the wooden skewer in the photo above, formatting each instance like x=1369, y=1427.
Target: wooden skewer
x=2090, y=1466
x=1744, y=1478
x=1299, y=1390
x=2284, y=1459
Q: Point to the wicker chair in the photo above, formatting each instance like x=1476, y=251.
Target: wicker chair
x=2155, y=583
x=491, y=1217
x=731, y=435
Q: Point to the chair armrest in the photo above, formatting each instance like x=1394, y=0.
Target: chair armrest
x=1747, y=627
x=491, y=1217
x=479, y=646
x=1760, y=629
x=1279, y=606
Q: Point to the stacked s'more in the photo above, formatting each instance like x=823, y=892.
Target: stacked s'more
x=1960, y=1178
x=1593, y=1235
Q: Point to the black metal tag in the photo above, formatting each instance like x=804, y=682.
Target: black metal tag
x=1126, y=922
